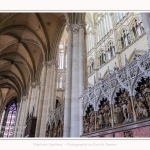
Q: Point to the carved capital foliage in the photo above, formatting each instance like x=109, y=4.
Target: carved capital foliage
x=33, y=84
x=69, y=27
x=75, y=28
x=49, y=64
x=82, y=24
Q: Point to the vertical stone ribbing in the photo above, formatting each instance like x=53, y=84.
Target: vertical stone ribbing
x=33, y=84
x=41, y=100
x=82, y=70
x=17, y=120
x=75, y=84
x=67, y=107
x=20, y=121
x=45, y=102
x=28, y=102
x=36, y=101
x=52, y=89
x=23, y=124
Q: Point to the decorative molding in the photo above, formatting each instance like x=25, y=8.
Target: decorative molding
x=75, y=28
x=33, y=84
x=69, y=27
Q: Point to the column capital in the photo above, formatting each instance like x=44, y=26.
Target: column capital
x=75, y=28
x=39, y=86
x=69, y=27
x=50, y=63
x=82, y=25
x=33, y=84
x=24, y=98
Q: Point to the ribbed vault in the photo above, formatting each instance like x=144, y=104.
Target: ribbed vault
x=26, y=41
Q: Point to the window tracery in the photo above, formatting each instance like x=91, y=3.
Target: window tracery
x=103, y=26
x=10, y=114
x=120, y=16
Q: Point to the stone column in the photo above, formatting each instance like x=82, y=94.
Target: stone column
x=41, y=100
x=67, y=106
x=36, y=101
x=75, y=84
x=18, y=116
x=133, y=110
x=23, y=124
x=20, y=121
x=53, y=81
x=146, y=24
x=45, y=102
x=82, y=68
x=33, y=84
x=112, y=114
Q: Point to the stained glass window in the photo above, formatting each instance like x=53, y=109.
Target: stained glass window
x=10, y=121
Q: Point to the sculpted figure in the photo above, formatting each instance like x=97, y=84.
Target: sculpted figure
x=99, y=120
x=140, y=109
x=124, y=110
x=117, y=114
x=91, y=128
x=51, y=133
x=145, y=113
x=107, y=119
x=59, y=131
x=85, y=125
x=91, y=115
x=129, y=109
x=86, y=129
x=55, y=132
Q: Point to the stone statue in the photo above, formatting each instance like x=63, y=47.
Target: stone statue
x=124, y=110
x=129, y=110
x=118, y=118
x=55, y=132
x=145, y=113
x=107, y=119
x=59, y=131
x=92, y=127
x=85, y=125
x=92, y=116
x=100, y=120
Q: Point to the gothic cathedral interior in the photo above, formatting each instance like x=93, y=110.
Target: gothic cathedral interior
x=75, y=74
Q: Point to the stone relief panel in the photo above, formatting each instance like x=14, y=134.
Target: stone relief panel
x=89, y=120
x=103, y=115
x=142, y=99
x=123, y=112
x=56, y=130
x=55, y=121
